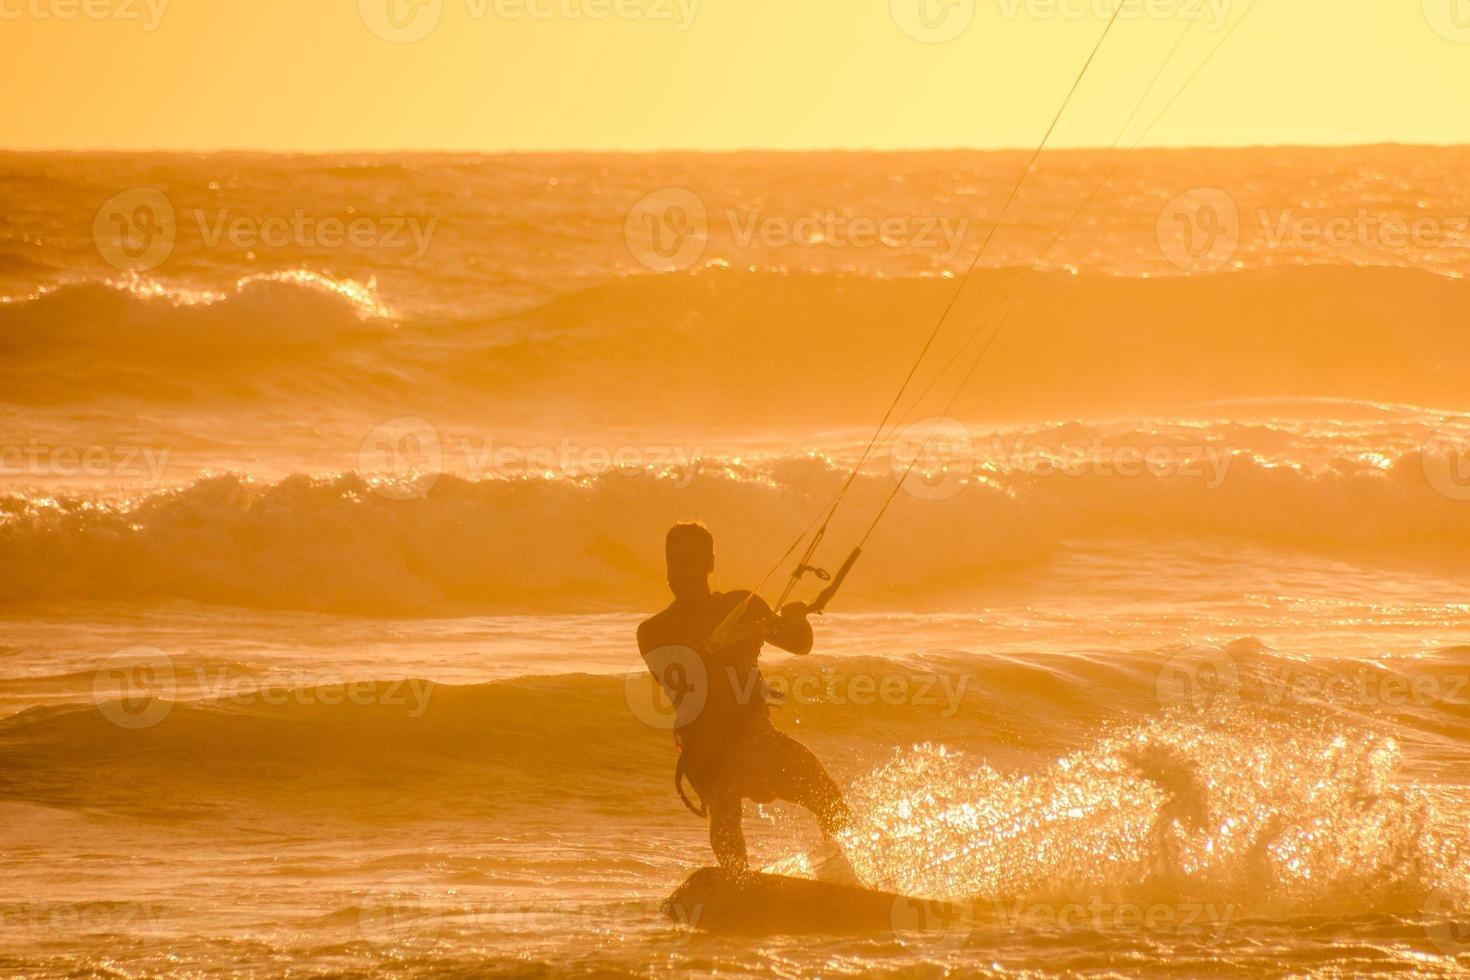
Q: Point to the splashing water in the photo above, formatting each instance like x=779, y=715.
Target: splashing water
x=1277, y=818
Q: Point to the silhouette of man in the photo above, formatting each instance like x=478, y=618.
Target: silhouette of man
x=730, y=751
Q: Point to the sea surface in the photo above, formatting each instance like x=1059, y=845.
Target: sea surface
x=332, y=492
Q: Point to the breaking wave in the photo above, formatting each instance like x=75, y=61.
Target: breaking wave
x=354, y=544
x=266, y=311
x=1076, y=344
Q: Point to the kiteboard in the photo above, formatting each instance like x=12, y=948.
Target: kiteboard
x=752, y=903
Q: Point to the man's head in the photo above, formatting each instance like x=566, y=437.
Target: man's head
x=690, y=552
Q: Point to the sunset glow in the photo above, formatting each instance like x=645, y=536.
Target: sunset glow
x=753, y=488
x=493, y=75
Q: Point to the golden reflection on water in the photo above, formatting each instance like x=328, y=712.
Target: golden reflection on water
x=1280, y=818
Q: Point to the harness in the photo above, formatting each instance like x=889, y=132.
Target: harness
x=701, y=810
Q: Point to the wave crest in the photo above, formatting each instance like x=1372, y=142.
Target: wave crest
x=142, y=317
x=347, y=544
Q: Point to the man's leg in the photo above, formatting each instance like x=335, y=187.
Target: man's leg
x=798, y=776
x=725, y=834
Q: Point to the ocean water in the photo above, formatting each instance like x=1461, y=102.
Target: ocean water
x=322, y=558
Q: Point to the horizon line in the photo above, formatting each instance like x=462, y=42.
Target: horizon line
x=732, y=151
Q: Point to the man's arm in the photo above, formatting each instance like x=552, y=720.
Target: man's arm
x=790, y=630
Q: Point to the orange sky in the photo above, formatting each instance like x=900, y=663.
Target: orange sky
x=717, y=74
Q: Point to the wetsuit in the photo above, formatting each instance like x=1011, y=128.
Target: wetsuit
x=731, y=751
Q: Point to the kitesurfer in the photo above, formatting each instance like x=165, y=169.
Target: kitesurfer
x=729, y=749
